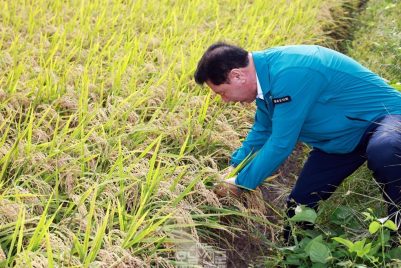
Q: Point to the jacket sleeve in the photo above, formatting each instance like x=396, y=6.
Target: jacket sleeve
x=256, y=137
x=303, y=86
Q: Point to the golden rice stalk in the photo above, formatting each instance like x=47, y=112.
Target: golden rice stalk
x=9, y=211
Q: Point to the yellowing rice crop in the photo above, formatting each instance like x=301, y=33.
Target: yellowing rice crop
x=107, y=147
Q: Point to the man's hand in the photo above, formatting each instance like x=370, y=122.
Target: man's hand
x=227, y=187
x=227, y=172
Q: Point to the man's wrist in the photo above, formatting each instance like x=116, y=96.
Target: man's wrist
x=231, y=180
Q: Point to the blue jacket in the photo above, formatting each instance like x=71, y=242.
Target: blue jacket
x=314, y=95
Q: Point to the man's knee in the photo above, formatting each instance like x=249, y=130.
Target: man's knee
x=384, y=155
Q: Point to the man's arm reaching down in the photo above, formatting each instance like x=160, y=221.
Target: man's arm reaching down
x=257, y=137
x=295, y=90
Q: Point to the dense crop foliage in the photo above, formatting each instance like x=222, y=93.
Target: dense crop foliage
x=377, y=42
x=107, y=147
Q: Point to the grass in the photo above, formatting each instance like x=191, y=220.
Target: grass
x=379, y=23
x=107, y=146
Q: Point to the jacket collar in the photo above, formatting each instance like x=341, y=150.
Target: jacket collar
x=262, y=71
x=259, y=89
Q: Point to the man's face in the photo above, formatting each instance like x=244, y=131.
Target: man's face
x=241, y=87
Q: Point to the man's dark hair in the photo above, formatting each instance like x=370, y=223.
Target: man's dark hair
x=218, y=60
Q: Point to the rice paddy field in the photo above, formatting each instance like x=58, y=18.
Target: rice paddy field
x=108, y=148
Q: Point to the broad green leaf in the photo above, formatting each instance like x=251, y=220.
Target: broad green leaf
x=359, y=247
x=319, y=265
x=345, y=242
x=368, y=216
x=295, y=259
x=359, y=244
x=395, y=253
x=366, y=249
x=317, y=251
x=390, y=225
x=303, y=213
x=341, y=213
x=374, y=227
x=376, y=247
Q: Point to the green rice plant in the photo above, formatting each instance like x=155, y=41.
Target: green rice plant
x=42, y=228
x=18, y=233
x=104, y=134
x=49, y=251
x=376, y=42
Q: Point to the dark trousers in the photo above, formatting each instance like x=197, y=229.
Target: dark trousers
x=380, y=147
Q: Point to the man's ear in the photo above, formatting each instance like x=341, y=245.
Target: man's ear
x=235, y=75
